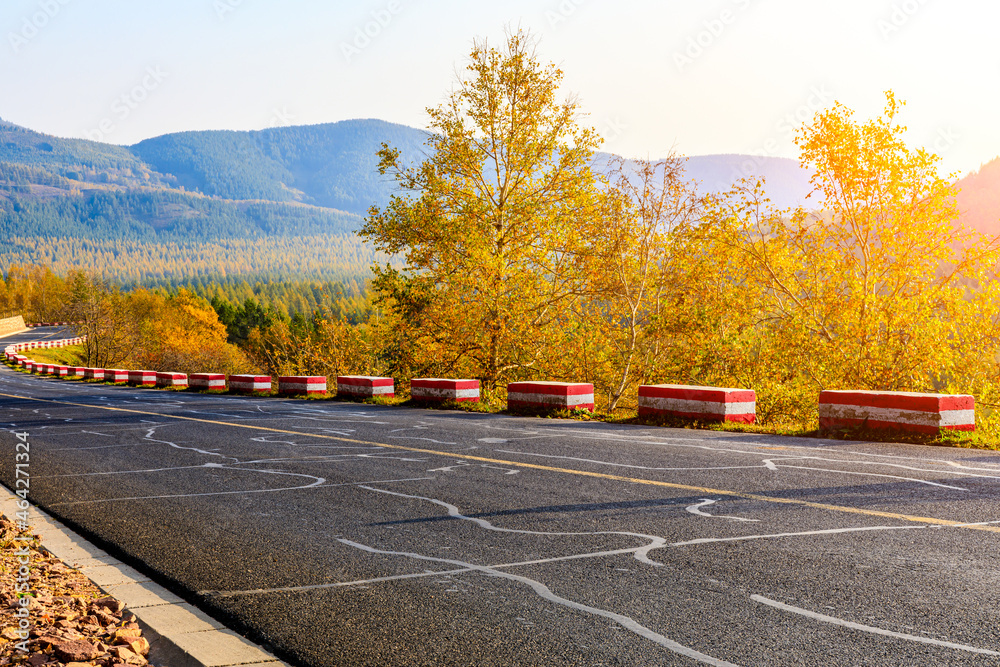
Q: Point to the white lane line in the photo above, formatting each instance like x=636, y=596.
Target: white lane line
x=831, y=531
x=867, y=628
x=641, y=553
x=696, y=509
x=545, y=593
x=618, y=465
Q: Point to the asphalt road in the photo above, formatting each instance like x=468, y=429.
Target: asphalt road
x=348, y=534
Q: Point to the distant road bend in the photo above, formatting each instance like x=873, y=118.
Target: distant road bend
x=348, y=534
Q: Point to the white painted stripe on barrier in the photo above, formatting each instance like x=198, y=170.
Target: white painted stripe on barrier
x=915, y=417
x=437, y=392
x=706, y=407
x=551, y=399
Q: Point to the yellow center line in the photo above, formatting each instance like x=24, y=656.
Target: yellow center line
x=535, y=466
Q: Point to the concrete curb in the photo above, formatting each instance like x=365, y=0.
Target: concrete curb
x=179, y=634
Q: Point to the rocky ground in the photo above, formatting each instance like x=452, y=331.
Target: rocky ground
x=68, y=621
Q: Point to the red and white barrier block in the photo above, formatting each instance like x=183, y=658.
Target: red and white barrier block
x=93, y=373
x=248, y=384
x=172, y=380
x=208, y=381
x=61, y=371
x=897, y=410
x=142, y=378
x=694, y=402
x=365, y=386
x=301, y=385
x=550, y=396
x=116, y=375
x=440, y=390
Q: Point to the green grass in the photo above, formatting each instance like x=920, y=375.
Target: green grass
x=71, y=355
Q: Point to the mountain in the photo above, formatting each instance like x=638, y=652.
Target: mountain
x=332, y=165
x=283, y=200
x=979, y=199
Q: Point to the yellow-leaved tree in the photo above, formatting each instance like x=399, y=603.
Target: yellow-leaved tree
x=880, y=289
x=490, y=225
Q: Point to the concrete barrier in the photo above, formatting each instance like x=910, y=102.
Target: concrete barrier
x=11, y=325
x=115, y=375
x=62, y=371
x=439, y=390
x=174, y=380
x=77, y=371
x=550, y=396
x=693, y=402
x=248, y=384
x=142, y=378
x=93, y=373
x=208, y=381
x=365, y=386
x=301, y=385
x=900, y=411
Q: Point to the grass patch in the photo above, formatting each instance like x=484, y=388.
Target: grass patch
x=71, y=355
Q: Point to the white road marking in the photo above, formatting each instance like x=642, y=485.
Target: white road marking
x=830, y=531
x=206, y=452
x=696, y=509
x=876, y=474
x=641, y=553
x=619, y=465
x=867, y=628
x=458, y=464
x=545, y=593
x=410, y=437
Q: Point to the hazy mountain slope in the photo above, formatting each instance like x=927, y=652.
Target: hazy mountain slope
x=979, y=198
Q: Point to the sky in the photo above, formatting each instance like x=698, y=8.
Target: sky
x=705, y=77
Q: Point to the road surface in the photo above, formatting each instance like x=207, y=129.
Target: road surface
x=337, y=533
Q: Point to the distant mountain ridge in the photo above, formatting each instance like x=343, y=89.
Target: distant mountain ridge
x=307, y=184
x=979, y=198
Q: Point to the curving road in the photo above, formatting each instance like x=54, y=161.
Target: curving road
x=347, y=534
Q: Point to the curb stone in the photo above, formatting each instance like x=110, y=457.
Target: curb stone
x=179, y=634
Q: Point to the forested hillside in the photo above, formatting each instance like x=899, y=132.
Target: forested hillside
x=275, y=204
x=331, y=165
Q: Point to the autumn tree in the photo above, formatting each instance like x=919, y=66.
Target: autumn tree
x=635, y=265
x=489, y=225
x=879, y=289
x=324, y=345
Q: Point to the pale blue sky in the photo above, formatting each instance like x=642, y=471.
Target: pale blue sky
x=126, y=70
